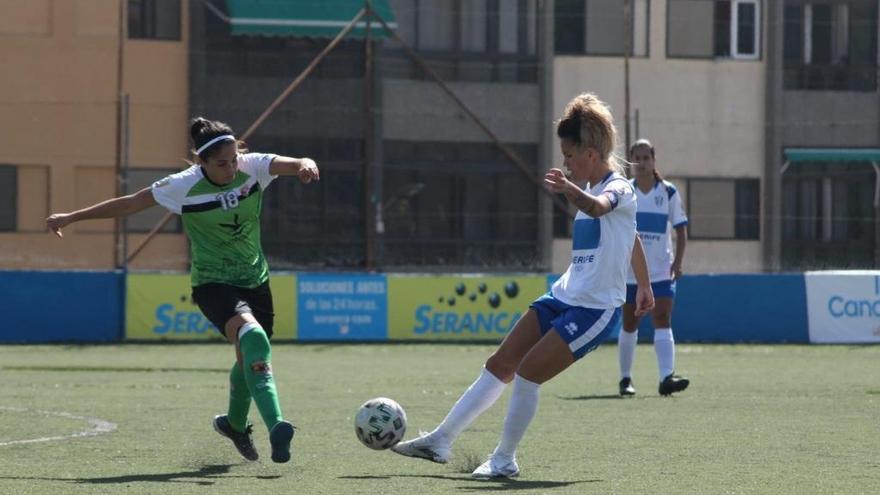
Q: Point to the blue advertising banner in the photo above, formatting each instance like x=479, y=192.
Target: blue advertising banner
x=342, y=307
x=42, y=307
x=737, y=308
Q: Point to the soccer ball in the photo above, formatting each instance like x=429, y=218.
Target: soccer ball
x=380, y=423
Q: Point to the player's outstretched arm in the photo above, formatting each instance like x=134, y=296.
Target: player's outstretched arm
x=644, y=294
x=111, y=208
x=595, y=206
x=304, y=168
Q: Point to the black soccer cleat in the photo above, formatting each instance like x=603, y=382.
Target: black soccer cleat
x=280, y=437
x=673, y=383
x=626, y=387
x=242, y=440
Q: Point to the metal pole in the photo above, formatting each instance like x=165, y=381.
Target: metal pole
x=118, y=247
x=636, y=118
x=369, y=205
x=271, y=108
x=126, y=128
x=545, y=28
x=627, y=46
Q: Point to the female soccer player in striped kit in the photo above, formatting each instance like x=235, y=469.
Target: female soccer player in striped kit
x=659, y=206
x=582, y=307
x=219, y=199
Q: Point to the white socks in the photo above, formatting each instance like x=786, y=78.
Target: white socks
x=520, y=411
x=473, y=402
x=626, y=351
x=664, y=346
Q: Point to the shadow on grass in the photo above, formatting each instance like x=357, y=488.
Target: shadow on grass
x=101, y=369
x=481, y=485
x=592, y=397
x=203, y=476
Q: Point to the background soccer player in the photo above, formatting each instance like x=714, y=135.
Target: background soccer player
x=659, y=206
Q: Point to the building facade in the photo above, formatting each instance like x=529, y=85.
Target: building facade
x=823, y=148
x=409, y=179
x=764, y=113
x=697, y=91
x=90, y=80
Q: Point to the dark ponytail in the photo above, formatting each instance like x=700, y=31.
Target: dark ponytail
x=202, y=131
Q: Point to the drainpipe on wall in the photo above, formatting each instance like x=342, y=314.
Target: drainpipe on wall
x=119, y=224
x=773, y=146
x=546, y=144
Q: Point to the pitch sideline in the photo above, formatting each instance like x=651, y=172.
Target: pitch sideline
x=99, y=426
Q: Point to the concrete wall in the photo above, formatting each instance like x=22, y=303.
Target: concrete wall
x=58, y=122
x=829, y=119
x=704, y=117
x=421, y=111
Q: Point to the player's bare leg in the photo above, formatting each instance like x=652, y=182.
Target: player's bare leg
x=499, y=370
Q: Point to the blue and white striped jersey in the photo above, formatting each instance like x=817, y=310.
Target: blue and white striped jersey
x=657, y=210
x=601, y=250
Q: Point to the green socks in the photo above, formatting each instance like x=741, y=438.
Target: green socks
x=239, y=399
x=256, y=356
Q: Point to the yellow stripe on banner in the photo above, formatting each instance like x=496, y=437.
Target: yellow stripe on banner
x=284, y=300
x=159, y=306
x=466, y=307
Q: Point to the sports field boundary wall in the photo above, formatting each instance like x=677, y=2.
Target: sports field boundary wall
x=62, y=306
x=114, y=306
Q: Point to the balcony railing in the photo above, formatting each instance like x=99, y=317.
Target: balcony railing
x=838, y=77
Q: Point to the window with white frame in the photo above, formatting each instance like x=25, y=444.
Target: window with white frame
x=736, y=29
x=714, y=28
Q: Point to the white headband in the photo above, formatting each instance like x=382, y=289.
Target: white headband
x=216, y=139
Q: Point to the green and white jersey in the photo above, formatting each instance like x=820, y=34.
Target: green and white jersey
x=222, y=222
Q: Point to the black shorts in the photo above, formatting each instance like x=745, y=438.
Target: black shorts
x=220, y=302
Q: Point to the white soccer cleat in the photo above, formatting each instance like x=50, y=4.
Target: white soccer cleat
x=424, y=448
x=495, y=468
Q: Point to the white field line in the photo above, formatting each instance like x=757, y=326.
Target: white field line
x=99, y=426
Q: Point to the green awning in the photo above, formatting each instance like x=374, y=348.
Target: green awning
x=304, y=18
x=794, y=155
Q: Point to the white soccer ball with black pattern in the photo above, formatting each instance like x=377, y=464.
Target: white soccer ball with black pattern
x=380, y=423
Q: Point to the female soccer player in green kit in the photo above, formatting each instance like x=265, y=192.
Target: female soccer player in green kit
x=219, y=199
